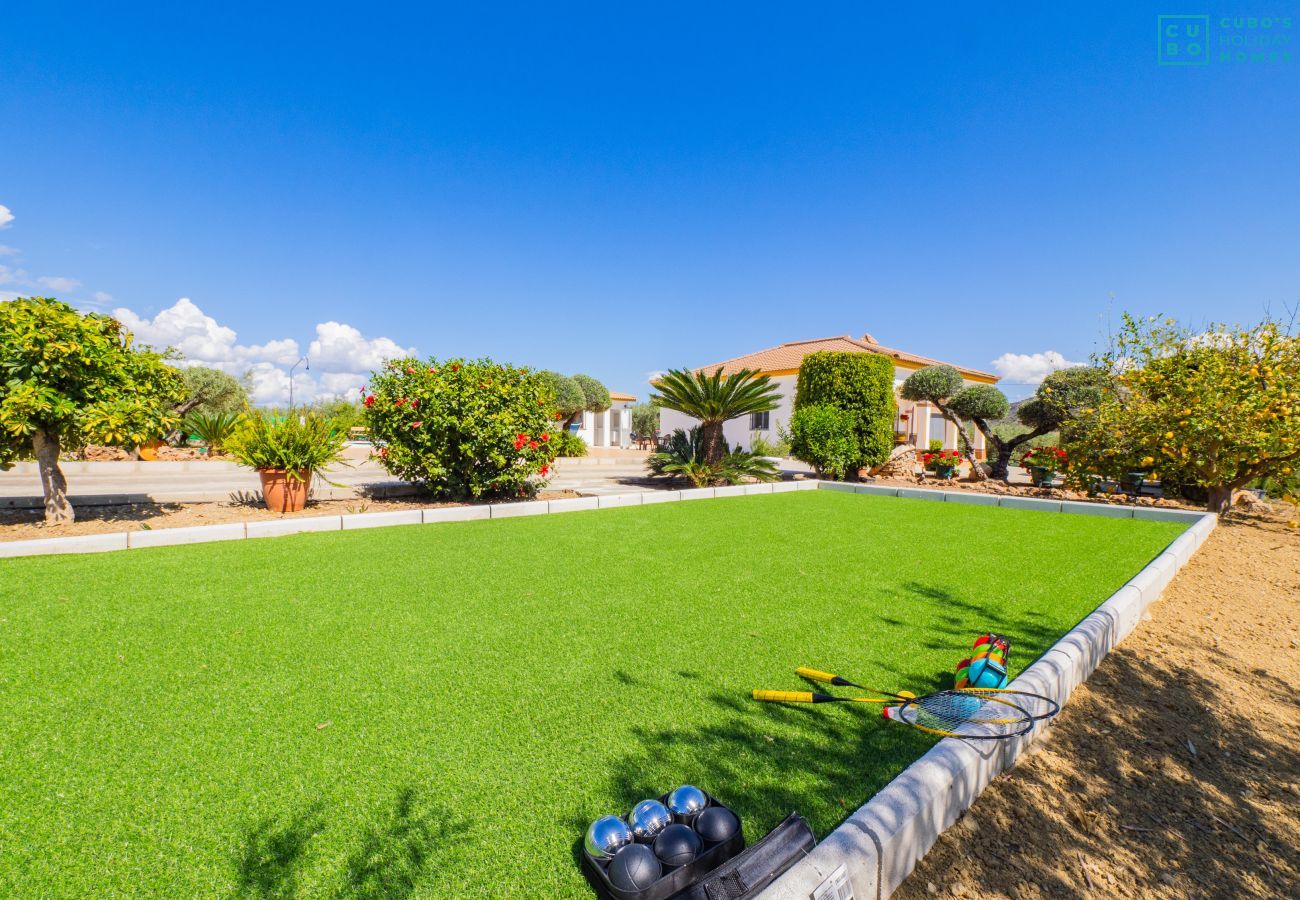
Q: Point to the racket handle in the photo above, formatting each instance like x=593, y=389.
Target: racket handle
x=824, y=677
x=784, y=696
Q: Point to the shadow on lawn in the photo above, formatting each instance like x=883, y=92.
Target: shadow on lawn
x=394, y=857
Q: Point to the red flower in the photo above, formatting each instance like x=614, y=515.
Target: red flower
x=455, y=367
x=545, y=469
x=410, y=370
x=533, y=445
x=416, y=424
x=370, y=401
x=546, y=437
x=383, y=451
x=415, y=403
x=399, y=401
x=433, y=369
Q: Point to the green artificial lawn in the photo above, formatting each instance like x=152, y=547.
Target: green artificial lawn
x=490, y=687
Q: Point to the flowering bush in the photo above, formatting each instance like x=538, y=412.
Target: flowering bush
x=462, y=428
x=939, y=459
x=1051, y=458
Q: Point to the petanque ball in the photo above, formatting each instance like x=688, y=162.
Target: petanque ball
x=686, y=801
x=677, y=845
x=634, y=868
x=647, y=819
x=717, y=824
x=606, y=836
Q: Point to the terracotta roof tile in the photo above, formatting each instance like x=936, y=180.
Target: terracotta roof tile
x=620, y=396
x=789, y=356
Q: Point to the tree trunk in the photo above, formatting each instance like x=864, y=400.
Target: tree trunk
x=714, y=444
x=53, y=485
x=1001, y=462
x=964, y=444
x=1219, y=499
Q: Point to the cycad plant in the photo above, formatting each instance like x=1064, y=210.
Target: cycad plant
x=715, y=399
x=213, y=430
x=683, y=456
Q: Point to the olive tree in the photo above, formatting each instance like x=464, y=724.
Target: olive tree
x=570, y=400
x=68, y=379
x=212, y=392
x=1059, y=399
x=940, y=385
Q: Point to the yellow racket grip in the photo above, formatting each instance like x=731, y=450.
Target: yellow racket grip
x=784, y=696
x=824, y=677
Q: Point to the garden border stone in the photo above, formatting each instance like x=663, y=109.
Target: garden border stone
x=87, y=543
x=194, y=534
x=573, y=504
x=434, y=514
x=382, y=519
x=281, y=527
x=971, y=498
x=611, y=501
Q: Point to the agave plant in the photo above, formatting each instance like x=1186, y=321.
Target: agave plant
x=214, y=430
x=683, y=456
x=715, y=399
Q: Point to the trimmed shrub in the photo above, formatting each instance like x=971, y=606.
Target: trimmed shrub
x=569, y=397
x=464, y=429
x=860, y=384
x=568, y=444
x=822, y=436
x=595, y=394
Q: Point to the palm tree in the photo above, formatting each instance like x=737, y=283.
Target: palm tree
x=714, y=399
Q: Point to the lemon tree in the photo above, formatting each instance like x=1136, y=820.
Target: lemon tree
x=1212, y=409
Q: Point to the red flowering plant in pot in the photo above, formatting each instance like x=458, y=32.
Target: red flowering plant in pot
x=463, y=429
x=943, y=463
x=1043, y=463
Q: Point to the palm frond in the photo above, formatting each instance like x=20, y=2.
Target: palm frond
x=716, y=398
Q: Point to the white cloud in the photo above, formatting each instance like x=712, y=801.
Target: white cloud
x=103, y=297
x=10, y=276
x=339, y=346
x=6, y=250
x=341, y=357
x=5, y=216
x=1030, y=368
x=58, y=283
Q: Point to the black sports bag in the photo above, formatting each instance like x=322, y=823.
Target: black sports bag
x=743, y=876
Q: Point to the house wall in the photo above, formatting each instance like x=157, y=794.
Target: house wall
x=611, y=428
x=918, y=425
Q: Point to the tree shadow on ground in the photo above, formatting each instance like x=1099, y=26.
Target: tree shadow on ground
x=394, y=856
x=272, y=854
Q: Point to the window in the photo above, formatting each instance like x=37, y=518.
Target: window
x=760, y=421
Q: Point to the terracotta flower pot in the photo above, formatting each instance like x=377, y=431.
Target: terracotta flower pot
x=281, y=493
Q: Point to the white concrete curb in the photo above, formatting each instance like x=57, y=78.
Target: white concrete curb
x=880, y=844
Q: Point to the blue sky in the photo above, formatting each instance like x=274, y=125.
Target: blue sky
x=619, y=188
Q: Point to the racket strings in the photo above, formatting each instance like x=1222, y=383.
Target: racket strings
x=958, y=714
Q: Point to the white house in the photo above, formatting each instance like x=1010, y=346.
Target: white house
x=611, y=428
x=917, y=423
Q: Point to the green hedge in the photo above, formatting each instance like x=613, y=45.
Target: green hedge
x=860, y=384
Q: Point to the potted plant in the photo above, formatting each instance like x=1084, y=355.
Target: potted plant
x=943, y=463
x=1043, y=464
x=286, y=451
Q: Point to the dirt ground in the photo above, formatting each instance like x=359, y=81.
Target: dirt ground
x=1175, y=770
x=27, y=524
